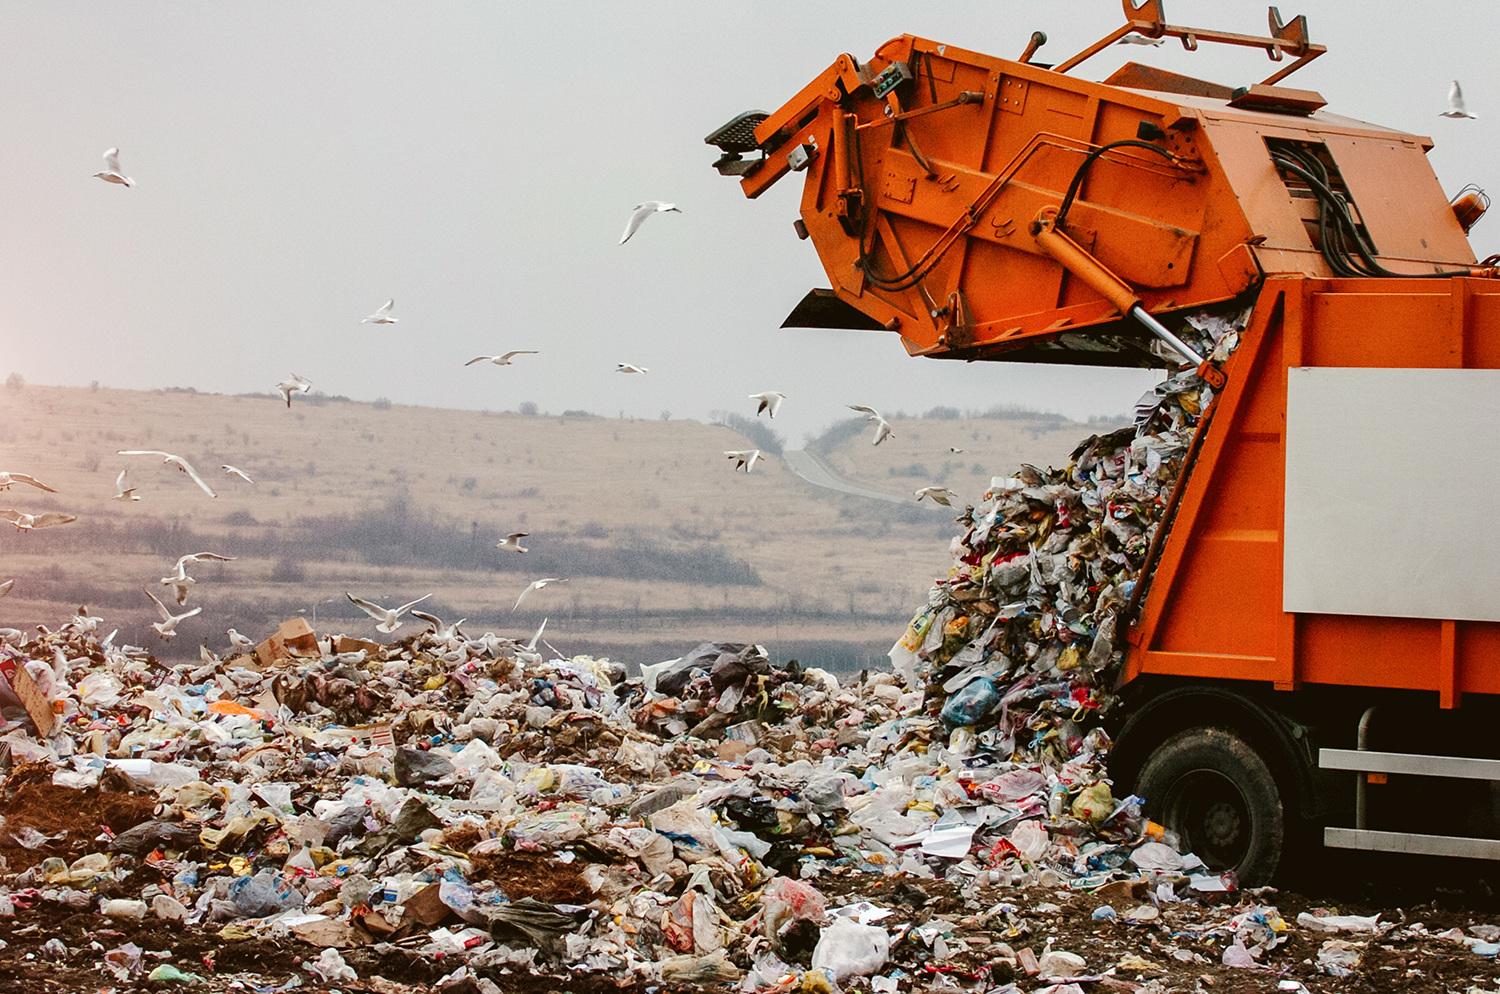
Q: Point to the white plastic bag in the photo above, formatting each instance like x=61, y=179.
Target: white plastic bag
x=849, y=949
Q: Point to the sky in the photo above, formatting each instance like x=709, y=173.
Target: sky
x=298, y=164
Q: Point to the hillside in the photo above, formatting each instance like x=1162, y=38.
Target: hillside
x=918, y=451
x=663, y=544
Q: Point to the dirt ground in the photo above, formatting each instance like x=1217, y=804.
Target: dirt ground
x=1412, y=966
x=1182, y=954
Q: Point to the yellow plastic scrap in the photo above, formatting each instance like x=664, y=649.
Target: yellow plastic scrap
x=1094, y=803
x=817, y=982
x=235, y=933
x=543, y=778
x=239, y=866
x=435, y=682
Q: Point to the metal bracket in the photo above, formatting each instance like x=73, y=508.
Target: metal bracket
x=1149, y=19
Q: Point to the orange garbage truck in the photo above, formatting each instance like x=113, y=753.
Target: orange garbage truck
x=1313, y=650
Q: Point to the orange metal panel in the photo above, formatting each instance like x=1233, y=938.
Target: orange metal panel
x=1208, y=613
x=1368, y=652
x=1447, y=662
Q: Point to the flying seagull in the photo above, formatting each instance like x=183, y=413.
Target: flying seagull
x=770, y=400
x=954, y=449
x=179, y=581
x=882, y=427
x=5, y=587
x=294, y=385
x=167, y=627
x=512, y=541
x=1456, y=106
x=535, y=585
x=124, y=492
x=167, y=457
x=444, y=633
x=501, y=360
x=30, y=522
x=385, y=616
x=382, y=314
x=941, y=495
x=1134, y=39
x=743, y=458
x=639, y=215
x=625, y=367
x=8, y=480
x=236, y=471
x=112, y=172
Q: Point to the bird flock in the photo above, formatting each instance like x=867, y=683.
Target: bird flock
x=180, y=583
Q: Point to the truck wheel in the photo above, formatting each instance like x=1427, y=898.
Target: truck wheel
x=1218, y=795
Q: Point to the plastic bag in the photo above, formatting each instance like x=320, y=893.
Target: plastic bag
x=330, y=968
x=264, y=894
x=849, y=949
x=785, y=901
x=972, y=704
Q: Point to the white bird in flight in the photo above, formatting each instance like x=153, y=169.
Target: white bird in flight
x=30, y=522
x=770, y=400
x=512, y=542
x=444, y=633
x=124, y=492
x=236, y=471
x=501, y=360
x=382, y=314
x=1456, y=106
x=384, y=615
x=5, y=587
x=8, y=480
x=294, y=385
x=641, y=212
x=167, y=457
x=1134, y=39
x=625, y=367
x=882, y=427
x=179, y=581
x=743, y=458
x=955, y=449
x=535, y=585
x=941, y=495
x=167, y=627
x=112, y=172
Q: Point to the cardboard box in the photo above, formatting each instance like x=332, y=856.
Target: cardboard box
x=347, y=644
x=298, y=638
x=271, y=650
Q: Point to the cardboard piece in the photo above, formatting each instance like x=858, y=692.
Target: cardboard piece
x=347, y=644
x=294, y=637
x=271, y=650
x=297, y=635
x=426, y=908
x=37, y=706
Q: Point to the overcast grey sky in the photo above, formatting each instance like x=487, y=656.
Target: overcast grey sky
x=300, y=163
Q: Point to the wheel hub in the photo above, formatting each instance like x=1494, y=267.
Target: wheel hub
x=1221, y=824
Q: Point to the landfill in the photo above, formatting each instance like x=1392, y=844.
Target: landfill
x=464, y=812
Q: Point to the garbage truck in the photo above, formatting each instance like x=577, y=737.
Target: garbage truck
x=1312, y=655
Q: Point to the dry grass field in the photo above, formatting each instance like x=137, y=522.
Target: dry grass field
x=663, y=544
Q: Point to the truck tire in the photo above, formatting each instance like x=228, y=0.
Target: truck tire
x=1211, y=788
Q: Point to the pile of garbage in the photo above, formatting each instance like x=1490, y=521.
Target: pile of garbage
x=721, y=817
x=1018, y=645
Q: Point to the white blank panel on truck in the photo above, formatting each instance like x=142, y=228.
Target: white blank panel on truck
x=1393, y=492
